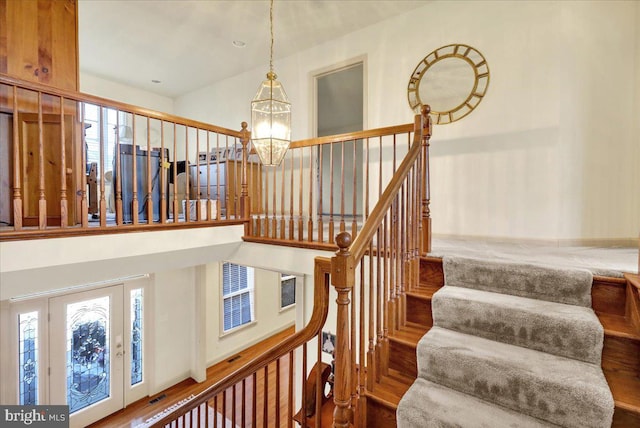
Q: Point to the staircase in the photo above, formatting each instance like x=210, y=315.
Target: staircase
x=620, y=355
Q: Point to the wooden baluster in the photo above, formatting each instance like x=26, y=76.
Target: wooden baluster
x=274, y=220
x=233, y=407
x=265, y=398
x=187, y=170
x=282, y=207
x=224, y=407
x=215, y=411
x=310, y=220
x=364, y=346
x=354, y=223
x=175, y=202
x=149, y=197
x=254, y=399
x=291, y=156
x=320, y=206
x=371, y=368
x=266, y=202
x=219, y=197
x=394, y=264
x=385, y=297
x=290, y=398
x=17, y=177
x=103, y=199
x=84, y=208
x=164, y=164
x=379, y=296
x=300, y=212
x=197, y=179
x=245, y=199
x=243, y=418
x=208, y=203
x=403, y=253
x=342, y=223
x=134, y=174
x=343, y=279
x=319, y=393
x=42, y=201
x=331, y=224
x=425, y=246
x=303, y=379
x=116, y=180
x=64, y=220
x=277, y=410
x=355, y=377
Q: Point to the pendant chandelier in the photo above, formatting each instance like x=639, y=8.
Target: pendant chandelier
x=271, y=115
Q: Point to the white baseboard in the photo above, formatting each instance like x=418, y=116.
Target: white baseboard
x=581, y=242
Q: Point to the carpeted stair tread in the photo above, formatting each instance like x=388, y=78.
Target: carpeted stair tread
x=428, y=404
x=560, y=329
x=570, y=286
x=558, y=390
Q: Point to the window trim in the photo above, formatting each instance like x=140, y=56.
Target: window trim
x=251, y=289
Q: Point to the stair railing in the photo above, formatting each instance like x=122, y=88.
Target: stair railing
x=372, y=273
x=74, y=163
x=256, y=392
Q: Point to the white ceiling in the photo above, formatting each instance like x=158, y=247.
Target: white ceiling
x=187, y=44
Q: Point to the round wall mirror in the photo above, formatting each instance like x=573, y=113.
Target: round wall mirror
x=452, y=80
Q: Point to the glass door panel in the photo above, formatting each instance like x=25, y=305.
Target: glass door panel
x=88, y=351
x=86, y=337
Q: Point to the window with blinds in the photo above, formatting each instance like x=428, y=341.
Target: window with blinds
x=237, y=295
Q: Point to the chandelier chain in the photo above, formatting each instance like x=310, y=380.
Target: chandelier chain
x=271, y=29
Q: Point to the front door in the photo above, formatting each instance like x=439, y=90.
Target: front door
x=86, y=353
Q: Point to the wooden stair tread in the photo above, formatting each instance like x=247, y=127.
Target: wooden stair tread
x=423, y=291
x=625, y=390
x=618, y=326
x=409, y=334
x=391, y=388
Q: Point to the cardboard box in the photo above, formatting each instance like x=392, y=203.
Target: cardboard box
x=203, y=209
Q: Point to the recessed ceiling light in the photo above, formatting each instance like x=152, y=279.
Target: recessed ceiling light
x=155, y=81
x=239, y=43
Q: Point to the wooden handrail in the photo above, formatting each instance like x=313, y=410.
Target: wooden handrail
x=402, y=198
x=318, y=318
x=127, y=108
x=361, y=242
x=349, y=136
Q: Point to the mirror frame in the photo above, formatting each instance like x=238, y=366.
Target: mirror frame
x=480, y=85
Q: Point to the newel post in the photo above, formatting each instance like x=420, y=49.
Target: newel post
x=343, y=279
x=245, y=202
x=425, y=244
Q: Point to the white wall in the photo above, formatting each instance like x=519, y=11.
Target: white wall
x=173, y=327
x=550, y=151
x=95, y=85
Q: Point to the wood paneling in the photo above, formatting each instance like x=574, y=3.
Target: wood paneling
x=6, y=168
x=30, y=168
x=40, y=41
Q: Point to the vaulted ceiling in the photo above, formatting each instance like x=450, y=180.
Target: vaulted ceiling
x=188, y=44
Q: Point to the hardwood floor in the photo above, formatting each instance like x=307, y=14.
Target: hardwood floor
x=237, y=402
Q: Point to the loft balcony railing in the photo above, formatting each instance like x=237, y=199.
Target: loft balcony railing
x=327, y=185
x=72, y=163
